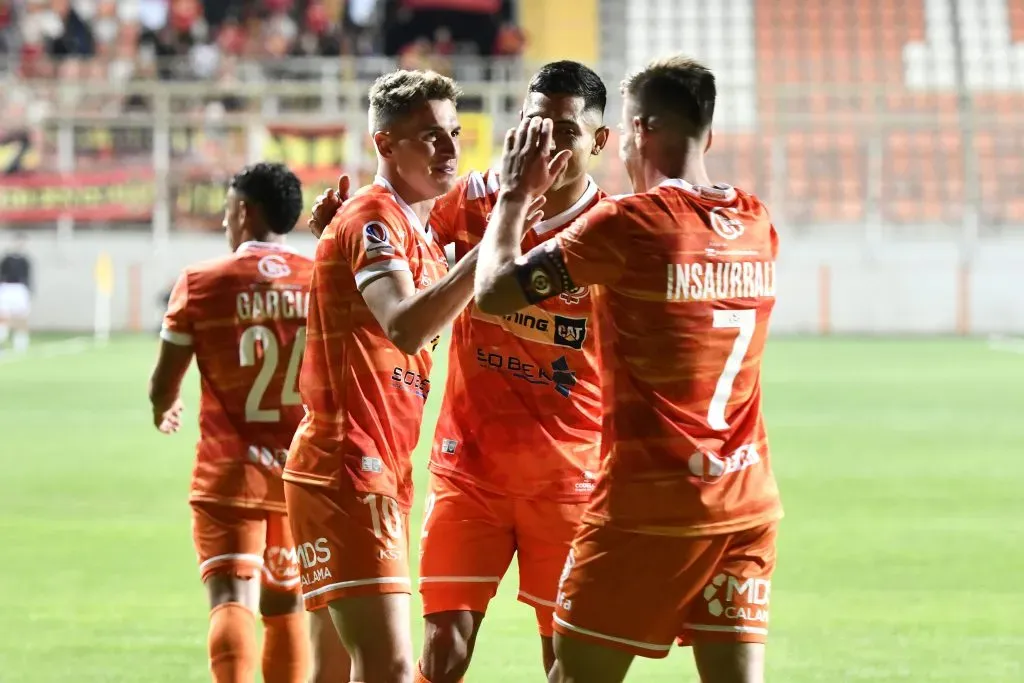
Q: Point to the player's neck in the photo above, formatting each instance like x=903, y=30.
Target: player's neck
x=690, y=168
x=266, y=238
x=561, y=200
x=421, y=206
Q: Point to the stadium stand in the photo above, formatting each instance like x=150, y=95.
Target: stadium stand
x=843, y=114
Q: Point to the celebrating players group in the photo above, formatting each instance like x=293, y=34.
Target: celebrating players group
x=601, y=419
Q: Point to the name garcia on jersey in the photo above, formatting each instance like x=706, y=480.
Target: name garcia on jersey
x=729, y=280
x=273, y=304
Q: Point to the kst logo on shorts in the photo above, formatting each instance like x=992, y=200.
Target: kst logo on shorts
x=312, y=555
x=738, y=599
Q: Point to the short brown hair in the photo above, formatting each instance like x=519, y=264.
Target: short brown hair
x=676, y=88
x=394, y=95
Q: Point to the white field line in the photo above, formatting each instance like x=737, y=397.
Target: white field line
x=64, y=347
x=999, y=342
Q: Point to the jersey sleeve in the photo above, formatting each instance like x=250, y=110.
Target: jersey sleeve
x=373, y=245
x=177, y=327
x=594, y=247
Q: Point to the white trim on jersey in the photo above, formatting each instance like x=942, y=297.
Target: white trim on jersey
x=570, y=214
x=460, y=579
x=375, y=270
x=413, y=219
x=176, y=338
x=728, y=192
x=614, y=639
x=273, y=246
x=757, y=630
x=352, y=584
x=217, y=559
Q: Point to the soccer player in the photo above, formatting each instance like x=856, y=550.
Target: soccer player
x=679, y=538
x=517, y=439
x=379, y=298
x=15, y=295
x=243, y=317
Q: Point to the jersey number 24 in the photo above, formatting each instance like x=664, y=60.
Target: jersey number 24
x=247, y=357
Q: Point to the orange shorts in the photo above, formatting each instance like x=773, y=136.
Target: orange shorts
x=349, y=543
x=639, y=592
x=469, y=538
x=245, y=542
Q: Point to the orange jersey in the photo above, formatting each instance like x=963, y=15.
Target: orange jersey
x=245, y=316
x=522, y=408
x=683, y=286
x=365, y=397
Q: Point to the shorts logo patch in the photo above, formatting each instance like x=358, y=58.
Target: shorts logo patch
x=369, y=463
x=738, y=599
x=376, y=240
x=448, y=446
x=273, y=266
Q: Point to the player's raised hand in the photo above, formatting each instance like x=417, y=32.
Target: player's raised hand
x=327, y=204
x=169, y=421
x=528, y=165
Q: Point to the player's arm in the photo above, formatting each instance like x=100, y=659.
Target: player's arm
x=165, y=385
x=173, y=360
x=412, y=318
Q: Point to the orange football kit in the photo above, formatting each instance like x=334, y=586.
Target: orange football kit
x=679, y=537
x=516, y=449
x=245, y=317
x=349, y=471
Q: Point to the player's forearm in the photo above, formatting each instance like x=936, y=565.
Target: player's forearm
x=494, y=286
x=163, y=393
x=422, y=316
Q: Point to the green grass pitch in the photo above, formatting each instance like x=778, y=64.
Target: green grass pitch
x=901, y=464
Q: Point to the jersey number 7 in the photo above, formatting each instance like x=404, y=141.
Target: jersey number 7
x=746, y=321
x=247, y=358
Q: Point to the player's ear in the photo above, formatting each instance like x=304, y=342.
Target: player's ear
x=640, y=131
x=382, y=141
x=600, y=140
x=243, y=212
x=707, y=145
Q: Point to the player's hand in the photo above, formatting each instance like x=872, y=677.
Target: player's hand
x=535, y=214
x=327, y=204
x=528, y=165
x=169, y=421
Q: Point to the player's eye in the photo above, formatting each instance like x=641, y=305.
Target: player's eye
x=456, y=133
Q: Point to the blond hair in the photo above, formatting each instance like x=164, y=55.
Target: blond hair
x=395, y=94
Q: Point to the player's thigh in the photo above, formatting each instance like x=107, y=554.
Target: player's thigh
x=331, y=662
x=229, y=543
x=583, y=661
x=348, y=544
x=628, y=591
x=374, y=629
x=727, y=624
x=729, y=662
x=281, y=590
x=466, y=545
x=544, y=534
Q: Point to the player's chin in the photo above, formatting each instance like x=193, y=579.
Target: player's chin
x=443, y=178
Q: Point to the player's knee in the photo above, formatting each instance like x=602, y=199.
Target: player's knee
x=448, y=645
x=730, y=662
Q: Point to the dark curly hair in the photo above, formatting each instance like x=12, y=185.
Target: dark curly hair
x=275, y=190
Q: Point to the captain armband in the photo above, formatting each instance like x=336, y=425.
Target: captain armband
x=542, y=274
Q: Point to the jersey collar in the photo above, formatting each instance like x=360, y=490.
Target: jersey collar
x=272, y=246
x=570, y=214
x=410, y=215
x=719, y=194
